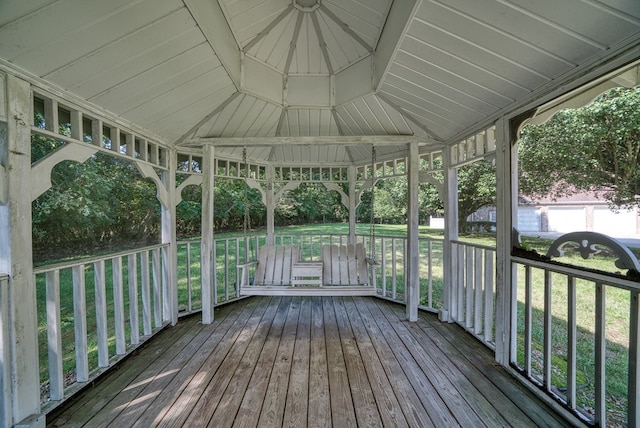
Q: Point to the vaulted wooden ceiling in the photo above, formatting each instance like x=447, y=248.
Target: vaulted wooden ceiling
x=245, y=69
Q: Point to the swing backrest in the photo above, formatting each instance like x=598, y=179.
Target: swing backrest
x=274, y=264
x=344, y=264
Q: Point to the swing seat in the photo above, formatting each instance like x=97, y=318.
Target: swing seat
x=272, y=270
x=347, y=267
x=343, y=271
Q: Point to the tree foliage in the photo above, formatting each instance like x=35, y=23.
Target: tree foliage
x=592, y=148
x=476, y=189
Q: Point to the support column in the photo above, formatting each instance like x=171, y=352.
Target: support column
x=206, y=253
x=353, y=204
x=21, y=391
x=270, y=205
x=413, y=268
x=448, y=312
x=170, y=253
x=506, y=212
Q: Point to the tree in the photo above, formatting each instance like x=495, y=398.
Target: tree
x=476, y=189
x=592, y=148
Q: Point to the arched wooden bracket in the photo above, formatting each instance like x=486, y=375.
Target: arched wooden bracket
x=344, y=198
x=192, y=180
x=255, y=184
x=148, y=171
x=41, y=170
x=587, y=242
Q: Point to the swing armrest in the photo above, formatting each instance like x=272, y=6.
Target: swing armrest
x=247, y=264
x=243, y=272
x=372, y=262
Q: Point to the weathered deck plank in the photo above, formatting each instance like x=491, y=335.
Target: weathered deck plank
x=309, y=361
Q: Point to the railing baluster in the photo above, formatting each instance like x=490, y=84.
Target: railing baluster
x=54, y=337
x=102, y=338
x=601, y=355
x=528, y=305
x=488, y=296
x=394, y=282
x=430, y=273
x=226, y=270
x=80, y=323
x=5, y=346
x=132, y=280
x=572, y=336
x=477, y=310
x=455, y=278
x=460, y=284
x=634, y=360
x=146, y=293
x=118, y=305
x=469, y=286
x=548, y=319
x=383, y=266
x=214, y=273
x=157, y=287
x=189, y=293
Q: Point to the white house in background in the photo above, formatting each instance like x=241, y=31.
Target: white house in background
x=581, y=211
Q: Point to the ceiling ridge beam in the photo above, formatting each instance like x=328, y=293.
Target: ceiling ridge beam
x=191, y=132
x=216, y=29
x=410, y=117
x=283, y=113
x=346, y=28
x=351, y=140
x=293, y=44
x=395, y=28
x=262, y=34
x=321, y=42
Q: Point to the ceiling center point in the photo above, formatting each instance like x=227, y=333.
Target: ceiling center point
x=306, y=5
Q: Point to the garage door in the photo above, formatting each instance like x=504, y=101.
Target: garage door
x=567, y=219
x=528, y=219
x=621, y=223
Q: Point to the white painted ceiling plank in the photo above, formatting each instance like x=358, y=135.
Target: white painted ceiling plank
x=176, y=123
x=18, y=37
x=173, y=99
x=470, y=51
x=54, y=52
x=427, y=100
x=163, y=78
x=122, y=69
x=514, y=42
x=216, y=30
x=451, y=77
x=448, y=95
x=365, y=18
x=156, y=36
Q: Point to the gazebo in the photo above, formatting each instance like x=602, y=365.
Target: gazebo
x=280, y=92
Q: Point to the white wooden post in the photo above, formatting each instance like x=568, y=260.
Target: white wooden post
x=206, y=253
x=270, y=205
x=353, y=204
x=413, y=283
x=170, y=253
x=450, y=233
x=506, y=213
x=22, y=392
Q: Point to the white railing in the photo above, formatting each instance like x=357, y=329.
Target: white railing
x=472, y=300
x=94, y=311
x=390, y=254
x=562, y=339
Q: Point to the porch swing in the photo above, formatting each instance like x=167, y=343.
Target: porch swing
x=344, y=270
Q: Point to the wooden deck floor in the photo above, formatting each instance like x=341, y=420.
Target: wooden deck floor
x=308, y=361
